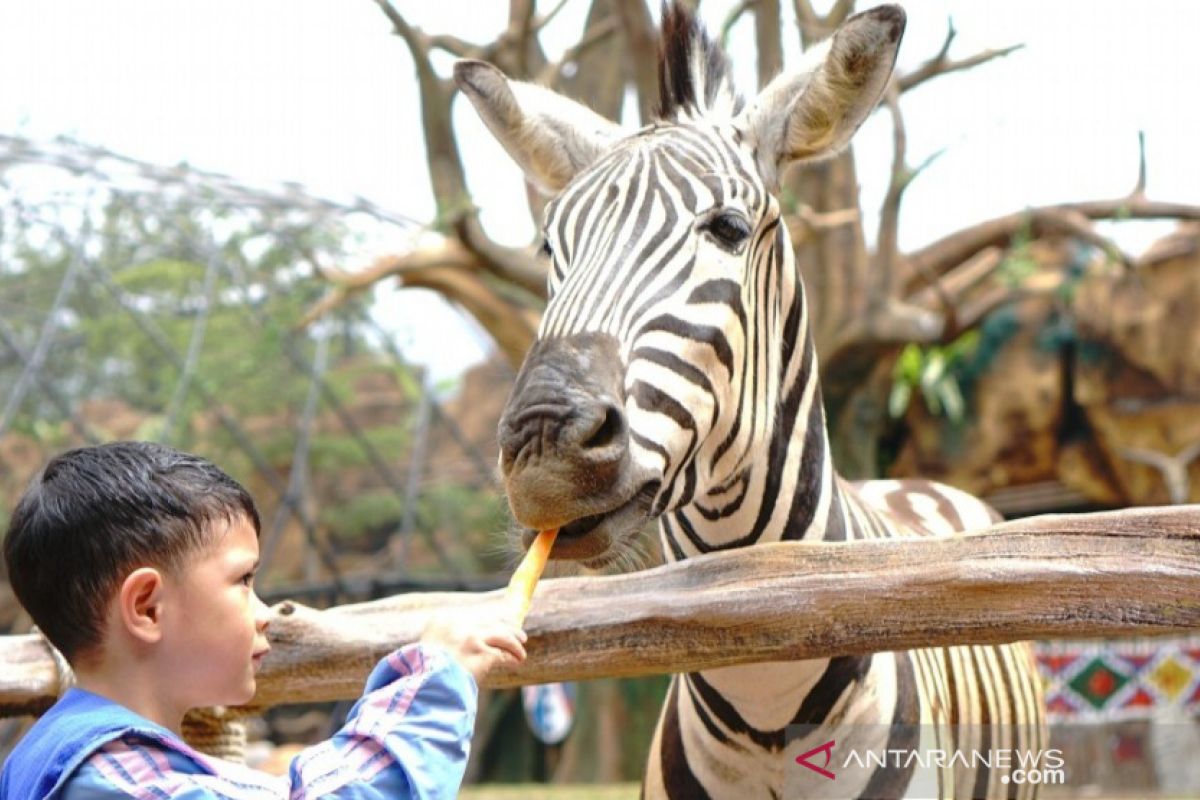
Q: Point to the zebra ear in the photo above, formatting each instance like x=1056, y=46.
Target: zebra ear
x=551, y=137
x=812, y=112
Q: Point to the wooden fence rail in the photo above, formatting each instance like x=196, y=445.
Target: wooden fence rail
x=1065, y=576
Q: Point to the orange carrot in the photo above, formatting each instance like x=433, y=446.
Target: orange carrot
x=520, y=587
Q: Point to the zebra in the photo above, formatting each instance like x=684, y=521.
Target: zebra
x=674, y=378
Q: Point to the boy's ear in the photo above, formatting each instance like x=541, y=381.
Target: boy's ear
x=140, y=604
x=811, y=112
x=551, y=137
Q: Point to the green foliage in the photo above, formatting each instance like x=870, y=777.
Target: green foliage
x=364, y=518
x=789, y=203
x=472, y=516
x=1057, y=333
x=934, y=372
x=335, y=452
x=127, y=342
x=162, y=273
x=1018, y=264
x=996, y=330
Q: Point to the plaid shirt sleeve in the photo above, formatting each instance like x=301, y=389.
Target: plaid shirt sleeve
x=407, y=737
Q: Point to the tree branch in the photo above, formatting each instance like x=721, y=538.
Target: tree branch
x=829, y=219
x=886, y=262
x=599, y=75
x=548, y=17
x=1079, y=226
x=642, y=63
x=895, y=322
x=446, y=173
x=768, y=40
x=813, y=26
x=970, y=313
x=942, y=64
x=839, y=13
x=731, y=19
x=512, y=48
x=511, y=326
x=947, y=292
x=455, y=272
x=552, y=72
x=515, y=264
x=456, y=46
x=347, y=285
x=1132, y=572
x=887, y=248
x=1173, y=469
x=806, y=15
x=943, y=255
x=518, y=40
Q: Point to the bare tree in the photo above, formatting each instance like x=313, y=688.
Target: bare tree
x=866, y=304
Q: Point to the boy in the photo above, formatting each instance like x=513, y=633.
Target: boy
x=137, y=563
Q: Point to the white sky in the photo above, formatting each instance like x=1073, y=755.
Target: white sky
x=319, y=92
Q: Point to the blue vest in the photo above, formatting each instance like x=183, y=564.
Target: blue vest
x=66, y=735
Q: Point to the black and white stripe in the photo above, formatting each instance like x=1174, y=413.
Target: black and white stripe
x=722, y=401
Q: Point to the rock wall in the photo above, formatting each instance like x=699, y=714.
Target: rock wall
x=1097, y=387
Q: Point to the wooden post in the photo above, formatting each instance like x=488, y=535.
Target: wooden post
x=1075, y=576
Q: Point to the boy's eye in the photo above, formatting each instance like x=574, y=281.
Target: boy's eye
x=248, y=579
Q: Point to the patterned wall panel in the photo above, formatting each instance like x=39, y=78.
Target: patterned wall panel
x=1120, y=679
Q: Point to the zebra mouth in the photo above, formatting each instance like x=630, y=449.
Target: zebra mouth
x=590, y=540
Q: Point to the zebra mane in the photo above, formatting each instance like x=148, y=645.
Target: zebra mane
x=693, y=71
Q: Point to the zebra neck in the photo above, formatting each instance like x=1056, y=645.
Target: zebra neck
x=788, y=490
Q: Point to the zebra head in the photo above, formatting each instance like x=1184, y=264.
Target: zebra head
x=675, y=323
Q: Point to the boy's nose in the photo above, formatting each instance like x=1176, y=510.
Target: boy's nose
x=262, y=613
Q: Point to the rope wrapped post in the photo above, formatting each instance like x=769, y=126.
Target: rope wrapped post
x=1133, y=572
x=217, y=731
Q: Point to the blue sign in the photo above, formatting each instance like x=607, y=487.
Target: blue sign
x=550, y=710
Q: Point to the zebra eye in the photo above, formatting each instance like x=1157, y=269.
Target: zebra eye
x=545, y=249
x=729, y=229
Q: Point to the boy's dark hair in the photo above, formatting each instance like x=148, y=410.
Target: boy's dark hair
x=95, y=514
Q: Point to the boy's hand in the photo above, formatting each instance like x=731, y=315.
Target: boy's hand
x=479, y=643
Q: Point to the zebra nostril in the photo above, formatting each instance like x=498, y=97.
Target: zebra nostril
x=608, y=429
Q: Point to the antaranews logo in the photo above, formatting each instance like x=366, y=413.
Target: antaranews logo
x=912, y=760
x=827, y=749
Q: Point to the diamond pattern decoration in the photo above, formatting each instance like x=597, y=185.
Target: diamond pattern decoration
x=1055, y=664
x=1098, y=682
x=1139, y=699
x=1170, y=677
x=1138, y=661
x=1060, y=705
x=1120, y=679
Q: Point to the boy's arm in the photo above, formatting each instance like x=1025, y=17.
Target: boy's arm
x=407, y=737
